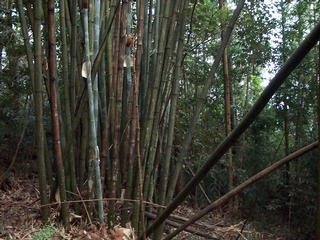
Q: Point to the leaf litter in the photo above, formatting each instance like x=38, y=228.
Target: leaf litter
x=20, y=219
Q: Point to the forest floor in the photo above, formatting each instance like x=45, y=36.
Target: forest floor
x=20, y=215
x=20, y=219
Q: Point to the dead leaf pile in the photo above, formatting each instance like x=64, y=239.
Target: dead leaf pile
x=118, y=233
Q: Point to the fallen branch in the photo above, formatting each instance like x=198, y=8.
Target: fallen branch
x=177, y=225
x=104, y=200
x=242, y=186
x=180, y=219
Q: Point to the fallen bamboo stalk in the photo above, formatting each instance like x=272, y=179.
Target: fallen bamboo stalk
x=242, y=186
x=180, y=219
x=177, y=225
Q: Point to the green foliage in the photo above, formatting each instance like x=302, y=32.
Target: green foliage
x=46, y=233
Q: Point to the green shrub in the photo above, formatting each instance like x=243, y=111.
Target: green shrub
x=46, y=233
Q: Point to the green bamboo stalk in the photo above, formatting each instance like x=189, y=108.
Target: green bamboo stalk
x=172, y=116
x=96, y=40
x=200, y=100
x=47, y=161
x=153, y=31
x=26, y=41
x=65, y=76
x=84, y=148
x=93, y=132
x=39, y=110
x=75, y=70
x=146, y=135
x=91, y=30
x=145, y=56
x=113, y=12
x=170, y=46
x=68, y=16
x=103, y=100
x=106, y=43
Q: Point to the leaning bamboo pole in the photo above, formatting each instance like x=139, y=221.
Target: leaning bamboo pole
x=242, y=186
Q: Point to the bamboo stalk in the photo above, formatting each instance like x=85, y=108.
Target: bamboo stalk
x=92, y=122
x=113, y=92
x=164, y=177
x=137, y=72
x=39, y=109
x=65, y=75
x=200, y=100
x=55, y=114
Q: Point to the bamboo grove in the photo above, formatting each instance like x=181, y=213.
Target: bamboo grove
x=111, y=71
x=112, y=89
